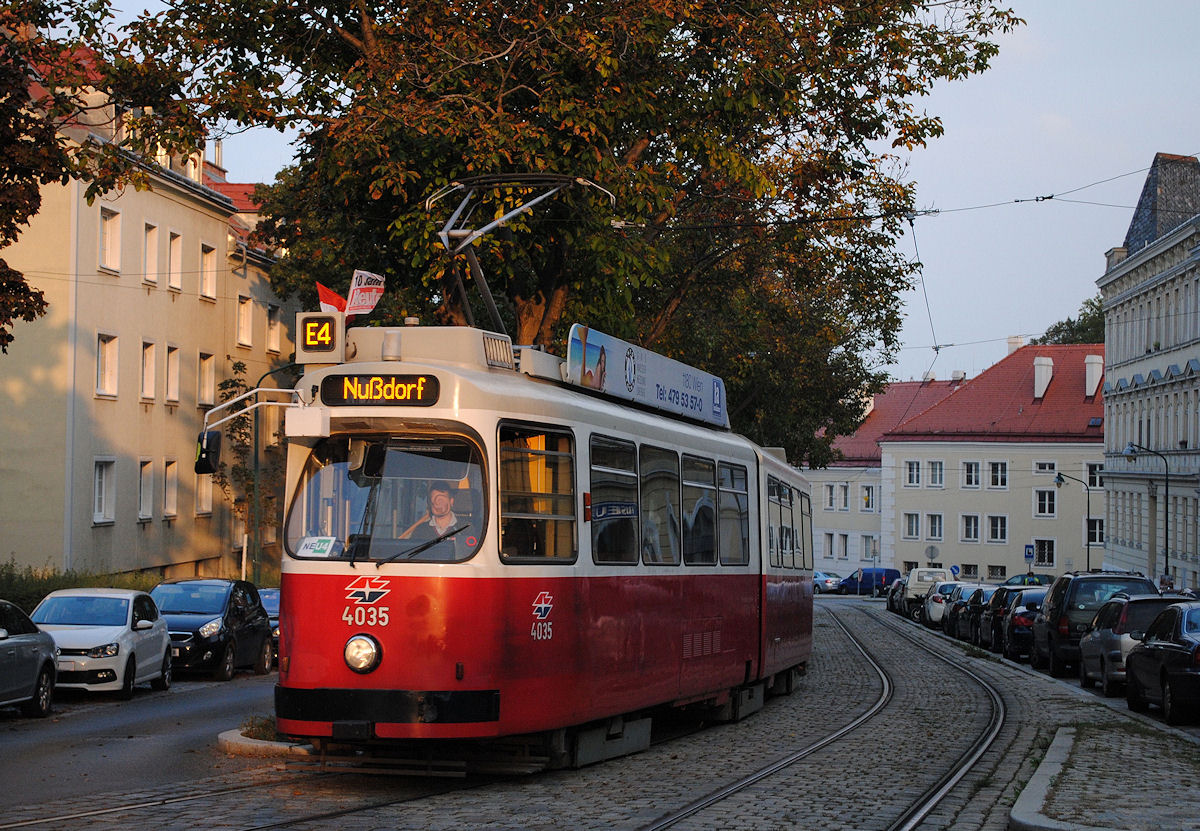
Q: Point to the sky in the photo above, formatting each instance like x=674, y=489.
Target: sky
x=1086, y=92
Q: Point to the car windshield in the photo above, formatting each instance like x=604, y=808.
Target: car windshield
x=82, y=610
x=270, y=600
x=1019, y=599
x=1091, y=594
x=1191, y=621
x=190, y=598
x=388, y=500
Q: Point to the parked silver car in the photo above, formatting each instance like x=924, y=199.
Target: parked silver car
x=1114, y=631
x=825, y=581
x=27, y=663
x=933, y=606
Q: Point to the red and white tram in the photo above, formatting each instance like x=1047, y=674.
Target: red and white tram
x=477, y=547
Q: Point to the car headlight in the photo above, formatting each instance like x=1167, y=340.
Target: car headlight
x=211, y=628
x=275, y=632
x=362, y=653
x=109, y=650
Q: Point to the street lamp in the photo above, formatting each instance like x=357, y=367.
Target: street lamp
x=1059, y=480
x=1130, y=453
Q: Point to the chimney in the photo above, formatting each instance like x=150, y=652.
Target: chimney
x=1043, y=370
x=958, y=376
x=1113, y=257
x=1093, y=367
x=1015, y=342
x=929, y=376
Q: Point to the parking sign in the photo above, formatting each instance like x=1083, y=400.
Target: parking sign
x=1029, y=553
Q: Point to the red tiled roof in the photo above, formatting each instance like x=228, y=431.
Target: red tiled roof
x=998, y=404
x=242, y=194
x=897, y=402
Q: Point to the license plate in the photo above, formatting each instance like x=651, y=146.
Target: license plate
x=174, y=652
x=66, y=666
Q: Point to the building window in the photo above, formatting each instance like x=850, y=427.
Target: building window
x=110, y=239
x=937, y=474
x=998, y=474
x=1095, y=534
x=868, y=547
x=145, y=489
x=912, y=474
x=104, y=491
x=909, y=565
x=970, y=571
x=997, y=572
x=845, y=497
x=843, y=546
x=1043, y=504
x=245, y=321
x=273, y=328
x=970, y=528
x=829, y=503
x=204, y=489
x=912, y=526
x=1095, y=478
x=149, y=366
x=173, y=373
x=174, y=261
x=150, y=254
x=1045, y=468
x=868, y=498
x=829, y=546
x=1043, y=554
x=206, y=375
x=934, y=523
x=970, y=473
x=106, y=364
x=170, y=488
x=208, y=272
x=997, y=529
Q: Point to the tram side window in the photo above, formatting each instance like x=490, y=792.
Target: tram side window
x=614, y=489
x=787, y=531
x=537, y=494
x=659, y=470
x=699, y=511
x=733, y=528
x=773, y=521
x=804, y=544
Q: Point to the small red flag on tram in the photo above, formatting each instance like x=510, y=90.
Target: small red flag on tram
x=331, y=301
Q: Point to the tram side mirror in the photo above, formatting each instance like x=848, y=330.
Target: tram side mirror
x=208, y=452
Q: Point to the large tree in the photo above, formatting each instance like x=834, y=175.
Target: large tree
x=741, y=143
x=1088, y=327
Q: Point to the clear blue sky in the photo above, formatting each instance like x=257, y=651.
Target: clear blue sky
x=1087, y=90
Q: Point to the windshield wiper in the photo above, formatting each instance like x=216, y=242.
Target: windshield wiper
x=412, y=552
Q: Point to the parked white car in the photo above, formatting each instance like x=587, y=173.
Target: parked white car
x=108, y=639
x=934, y=604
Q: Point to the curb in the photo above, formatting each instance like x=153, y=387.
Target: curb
x=1026, y=814
x=235, y=744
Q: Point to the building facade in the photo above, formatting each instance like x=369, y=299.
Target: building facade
x=1009, y=465
x=1151, y=298
x=153, y=296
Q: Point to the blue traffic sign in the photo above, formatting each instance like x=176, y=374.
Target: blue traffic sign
x=1029, y=553
x=954, y=570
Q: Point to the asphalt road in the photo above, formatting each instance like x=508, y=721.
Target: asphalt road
x=95, y=744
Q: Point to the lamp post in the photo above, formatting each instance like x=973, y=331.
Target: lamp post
x=1130, y=453
x=1059, y=480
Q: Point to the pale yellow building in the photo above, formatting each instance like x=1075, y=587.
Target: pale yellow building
x=152, y=297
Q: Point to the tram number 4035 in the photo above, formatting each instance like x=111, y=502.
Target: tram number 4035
x=365, y=615
x=542, y=630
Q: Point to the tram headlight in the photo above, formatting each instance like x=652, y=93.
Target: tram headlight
x=362, y=653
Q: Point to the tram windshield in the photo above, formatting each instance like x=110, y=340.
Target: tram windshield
x=388, y=500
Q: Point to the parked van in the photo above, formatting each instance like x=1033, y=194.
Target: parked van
x=872, y=581
x=920, y=580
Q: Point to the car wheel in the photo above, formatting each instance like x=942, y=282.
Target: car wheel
x=1035, y=657
x=1085, y=680
x=43, y=696
x=1054, y=663
x=126, y=691
x=224, y=669
x=1174, y=713
x=163, y=681
x=1133, y=693
x=816, y=589
x=265, y=658
x=915, y=613
x=1108, y=685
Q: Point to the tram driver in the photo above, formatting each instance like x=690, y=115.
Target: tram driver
x=439, y=518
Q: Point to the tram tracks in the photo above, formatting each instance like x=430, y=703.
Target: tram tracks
x=917, y=809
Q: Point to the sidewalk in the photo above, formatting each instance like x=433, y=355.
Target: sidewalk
x=1141, y=778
